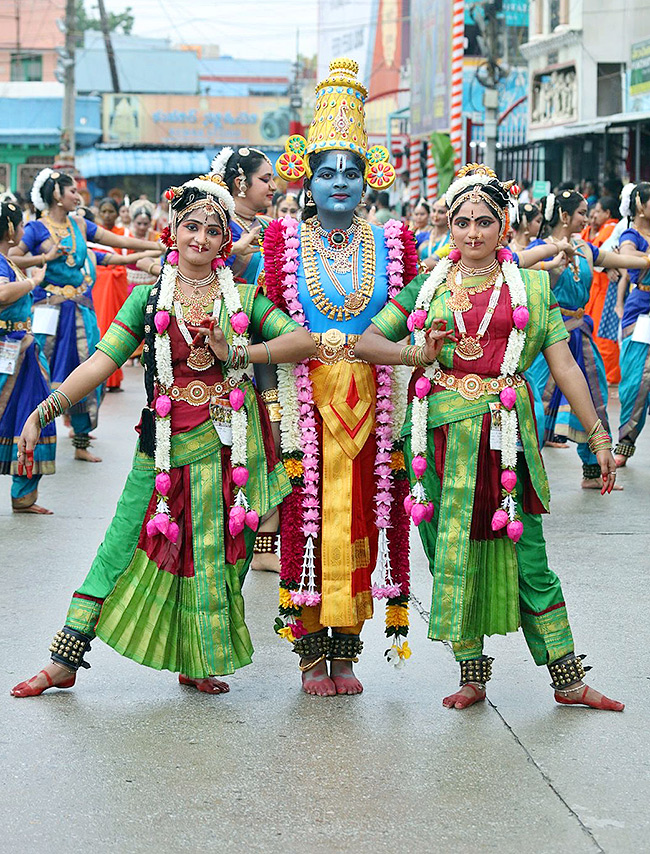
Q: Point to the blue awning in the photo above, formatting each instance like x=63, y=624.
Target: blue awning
x=100, y=162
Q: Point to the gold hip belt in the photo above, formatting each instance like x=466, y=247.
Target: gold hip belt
x=67, y=291
x=335, y=346
x=196, y=393
x=16, y=325
x=578, y=314
x=471, y=386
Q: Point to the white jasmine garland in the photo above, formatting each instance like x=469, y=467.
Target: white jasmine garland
x=549, y=207
x=399, y=399
x=461, y=184
x=288, y=398
x=509, y=428
x=37, y=199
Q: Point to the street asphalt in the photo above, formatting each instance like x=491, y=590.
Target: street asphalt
x=129, y=761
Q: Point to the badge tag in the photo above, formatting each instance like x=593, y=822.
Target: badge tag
x=495, y=428
x=45, y=320
x=9, y=352
x=642, y=329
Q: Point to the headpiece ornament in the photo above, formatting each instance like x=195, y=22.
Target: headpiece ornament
x=39, y=182
x=140, y=206
x=626, y=196
x=339, y=124
x=470, y=185
x=218, y=201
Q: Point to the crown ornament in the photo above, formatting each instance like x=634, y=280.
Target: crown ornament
x=339, y=124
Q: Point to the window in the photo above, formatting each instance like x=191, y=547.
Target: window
x=610, y=88
x=26, y=67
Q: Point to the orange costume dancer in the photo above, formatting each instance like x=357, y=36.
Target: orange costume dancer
x=111, y=287
x=609, y=350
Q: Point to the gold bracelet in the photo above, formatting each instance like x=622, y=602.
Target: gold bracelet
x=270, y=395
x=275, y=412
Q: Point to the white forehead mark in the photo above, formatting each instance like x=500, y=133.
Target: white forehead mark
x=341, y=162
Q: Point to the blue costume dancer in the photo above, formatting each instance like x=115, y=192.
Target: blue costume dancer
x=634, y=388
x=24, y=381
x=67, y=288
x=566, y=216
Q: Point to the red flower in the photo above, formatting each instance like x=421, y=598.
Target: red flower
x=166, y=236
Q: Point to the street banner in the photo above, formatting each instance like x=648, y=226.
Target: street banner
x=431, y=66
x=194, y=120
x=640, y=68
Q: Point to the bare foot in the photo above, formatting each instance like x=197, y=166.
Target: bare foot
x=344, y=679
x=620, y=461
x=268, y=561
x=85, y=455
x=597, y=483
x=52, y=676
x=588, y=697
x=317, y=682
x=556, y=444
x=209, y=685
x=33, y=508
x=467, y=696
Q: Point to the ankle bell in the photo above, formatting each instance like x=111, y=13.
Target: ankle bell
x=476, y=670
x=68, y=648
x=567, y=671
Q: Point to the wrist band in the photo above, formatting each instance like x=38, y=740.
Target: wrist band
x=270, y=395
x=49, y=409
x=268, y=353
x=414, y=356
x=58, y=391
x=598, y=438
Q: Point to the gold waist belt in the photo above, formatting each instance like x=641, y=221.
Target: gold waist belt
x=16, y=325
x=196, y=393
x=578, y=314
x=334, y=346
x=643, y=287
x=67, y=291
x=471, y=386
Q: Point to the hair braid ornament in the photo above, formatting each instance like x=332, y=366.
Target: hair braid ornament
x=300, y=450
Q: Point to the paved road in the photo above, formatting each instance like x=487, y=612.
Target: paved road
x=130, y=762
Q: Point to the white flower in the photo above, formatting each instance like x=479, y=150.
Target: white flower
x=37, y=199
x=549, y=207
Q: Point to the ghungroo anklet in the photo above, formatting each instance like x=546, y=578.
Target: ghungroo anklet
x=567, y=671
x=478, y=671
x=81, y=441
x=591, y=471
x=625, y=449
x=313, y=645
x=68, y=648
x=345, y=647
x=266, y=543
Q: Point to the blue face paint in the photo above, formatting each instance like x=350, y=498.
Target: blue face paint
x=337, y=187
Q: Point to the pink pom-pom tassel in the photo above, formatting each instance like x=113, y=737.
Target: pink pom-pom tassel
x=515, y=530
x=239, y=322
x=161, y=321
x=419, y=513
x=419, y=466
x=172, y=257
x=163, y=405
x=508, y=397
x=454, y=256
x=172, y=532
x=521, y=316
x=499, y=520
x=240, y=475
x=236, y=398
x=504, y=255
x=508, y=480
x=423, y=387
x=163, y=483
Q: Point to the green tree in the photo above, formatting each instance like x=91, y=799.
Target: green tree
x=121, y=22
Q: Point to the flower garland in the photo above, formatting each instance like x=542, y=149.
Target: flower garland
x=299, y=443
x=240, y=513
x=417, y=504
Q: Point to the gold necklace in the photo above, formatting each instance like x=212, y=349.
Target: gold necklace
x=355, y=302
x=458, y=299
x=241, y=222
x=194, y=303
x=61, y=232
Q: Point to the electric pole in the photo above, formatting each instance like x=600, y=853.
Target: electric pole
x=490, y=71
x=110, y=55
x=66, y=74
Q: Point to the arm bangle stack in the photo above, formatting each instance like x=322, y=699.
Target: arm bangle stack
x=599, y=439
x=414, y=356
x=50, y=409
x=237, y=357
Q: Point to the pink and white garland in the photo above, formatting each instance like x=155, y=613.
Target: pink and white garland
x=417, y=503
x=240, y=513
x=299, y=433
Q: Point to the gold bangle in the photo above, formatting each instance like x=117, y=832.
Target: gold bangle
x=270, y=395
x=543, y=265
x=275, y=412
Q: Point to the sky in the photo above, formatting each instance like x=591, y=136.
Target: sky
x=246, y=29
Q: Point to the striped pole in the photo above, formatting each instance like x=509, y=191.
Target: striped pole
x=457, y=51
x=432, y=177
x=415, y=172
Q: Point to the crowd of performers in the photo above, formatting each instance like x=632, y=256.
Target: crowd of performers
x=307, y=355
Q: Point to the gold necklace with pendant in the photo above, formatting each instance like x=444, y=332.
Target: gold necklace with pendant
x=59, y=233
x=469, y=347
x=201, y=357
x=458, y=299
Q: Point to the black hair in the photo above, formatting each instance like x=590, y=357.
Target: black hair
x=566, y=185
x=383, y=198
x=422, y=203
x=138, y=211
x=86, y=213
x=148, y=422
x=315, y=161
x=609, y=203
x=639, y=197
x=61, y=181
x=612, y=187
x=10, y=212
x=108, y=200
x=248, y=163
x=566, y=201
x=527, y=211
